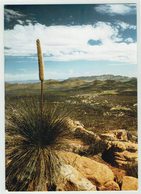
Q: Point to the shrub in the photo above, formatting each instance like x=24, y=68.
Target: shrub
x=32, y=145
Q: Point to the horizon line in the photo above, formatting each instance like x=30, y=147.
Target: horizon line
x=37, y=80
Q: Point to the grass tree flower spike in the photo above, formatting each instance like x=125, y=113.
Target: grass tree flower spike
x=40, y=60
x=41, y=70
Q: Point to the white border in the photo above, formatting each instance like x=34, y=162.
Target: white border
x=139, y=87
x=66, y=1
x=2, y=105
x=2, y=96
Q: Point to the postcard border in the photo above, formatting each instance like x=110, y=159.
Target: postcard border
x=2, y=92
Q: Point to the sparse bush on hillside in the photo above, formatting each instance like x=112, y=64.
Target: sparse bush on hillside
x=32, y=160
x=31, y=146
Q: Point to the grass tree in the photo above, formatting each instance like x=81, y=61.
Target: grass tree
x=32, y=160
x=34, y=134
x=34, y=137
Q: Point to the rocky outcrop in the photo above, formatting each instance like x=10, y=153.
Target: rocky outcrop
x=97, y=173
x=77, y=173
x=93, y=143
x=120, y=135
x=119, y=151
x=129, y=183
x=110, y=186
x=71, y=179
x=73, y=125
x=80, y=131
x=121, y=154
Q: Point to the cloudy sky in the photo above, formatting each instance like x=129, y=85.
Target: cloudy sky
x=77, y=40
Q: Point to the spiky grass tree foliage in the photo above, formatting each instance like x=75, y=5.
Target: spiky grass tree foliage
x=32, y=161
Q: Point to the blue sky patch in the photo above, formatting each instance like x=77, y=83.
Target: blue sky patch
x=94, y=42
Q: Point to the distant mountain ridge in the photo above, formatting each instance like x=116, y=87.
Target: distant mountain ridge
x=82, y=78
x=92, y=84
x=103, y=77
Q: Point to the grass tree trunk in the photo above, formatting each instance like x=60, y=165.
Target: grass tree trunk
x=42, y=98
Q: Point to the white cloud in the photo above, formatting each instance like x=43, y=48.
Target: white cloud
x=20, y=22
x=125, y=26
x=120, y=9
x=64, y=43
x=129, y=40
x=10, y=14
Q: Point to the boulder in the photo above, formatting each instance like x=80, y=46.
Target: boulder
x=132, y=136
x=96, y=172
x=120, y=134
x=131, y=147
x=71, y=179
x=109, y=186
x=117, y=146
x=92, y=142
x=80, y=131
x=129, y=183
x=126, y=156
x=73, y=125
x=121, y=154
x=107, y=136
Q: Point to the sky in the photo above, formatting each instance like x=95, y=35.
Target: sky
x=76, y=40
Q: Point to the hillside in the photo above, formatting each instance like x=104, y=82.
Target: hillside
x=98, y=104
x=94, y=122
x=103, y=78
x=80, y=84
